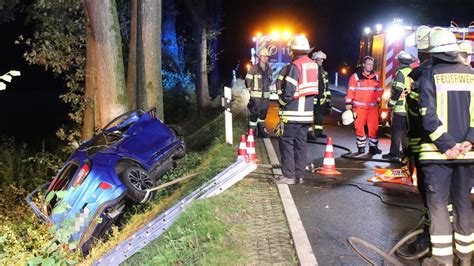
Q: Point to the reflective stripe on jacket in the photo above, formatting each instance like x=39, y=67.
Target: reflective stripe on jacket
x=258, y=81
x=401, y=86
x=364, y=89
x=296, y=98
x=447, y=111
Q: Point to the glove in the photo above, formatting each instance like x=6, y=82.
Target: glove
x=251, y=103
x=328, y=106
x=349, y=106
x=280, y=128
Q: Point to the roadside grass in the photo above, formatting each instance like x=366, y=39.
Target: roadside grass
x=209, y=154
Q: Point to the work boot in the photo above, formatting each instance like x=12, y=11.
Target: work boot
x=300, y=180
x=320, y=135
x=374, y=150
x=286, y=180
x=310, y=135
x=360, y=150
x=262, y=131
x=390, y=157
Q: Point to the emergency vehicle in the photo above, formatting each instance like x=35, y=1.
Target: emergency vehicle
x=384, y=43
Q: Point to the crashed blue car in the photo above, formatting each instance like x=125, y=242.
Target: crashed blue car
x=116, y=166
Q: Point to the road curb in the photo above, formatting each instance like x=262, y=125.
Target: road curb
x=304, y=250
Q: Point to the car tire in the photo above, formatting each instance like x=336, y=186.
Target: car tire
x=137, y=180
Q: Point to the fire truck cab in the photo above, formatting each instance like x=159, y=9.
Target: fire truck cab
x=384, y=43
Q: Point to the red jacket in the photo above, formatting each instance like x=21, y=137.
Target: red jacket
x=307, y=83
x=364, y=91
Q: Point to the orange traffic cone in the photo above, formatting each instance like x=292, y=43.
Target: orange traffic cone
x=329, y=164
x=242, y=153
x=251, y=147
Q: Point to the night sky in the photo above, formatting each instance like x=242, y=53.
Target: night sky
x=30, y=108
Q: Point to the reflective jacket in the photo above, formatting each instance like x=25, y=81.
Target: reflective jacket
x=298, y=89
x=323, y=87
x=415, y=126
x=258, y=81
x=447, y=111
x=281, y=76
x=364, y=91
x=400, y=88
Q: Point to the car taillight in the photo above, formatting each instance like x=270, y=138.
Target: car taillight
x=105, y=186
x=83, y=172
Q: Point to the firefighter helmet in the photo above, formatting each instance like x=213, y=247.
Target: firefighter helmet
x=442, y=41
x=422, y=37
x=263, y=52
x=466, y=46
x=319, y=55
x=348, y=117
x=405, y=58
x=300, y=43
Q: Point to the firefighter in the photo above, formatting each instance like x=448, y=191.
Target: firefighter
x=322, y=102
x=400, y=88
x=446, y=154
x=363, y=97
x=299, y=87
x=258, y=81
x=415, y=129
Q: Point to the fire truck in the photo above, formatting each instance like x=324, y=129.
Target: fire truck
x=383, y=43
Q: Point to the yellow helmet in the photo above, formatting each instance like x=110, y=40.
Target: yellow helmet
x=299, y=43
x=422, y=39
x=263, y=52
x=442, y=40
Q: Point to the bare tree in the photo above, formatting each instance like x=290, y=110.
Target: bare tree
x=108, y=66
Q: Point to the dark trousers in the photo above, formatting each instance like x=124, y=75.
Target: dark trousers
x=445, y=182
x=399, y=134
x=420, y=177
x=258, y=108
x=293, y=150
x=318, y=111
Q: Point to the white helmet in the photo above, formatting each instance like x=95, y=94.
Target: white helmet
x=299, y=43
x=348, y=117
x=405, y=57
x=442, y=41
x=319, y=55
x=263, y=52
x=422, y=37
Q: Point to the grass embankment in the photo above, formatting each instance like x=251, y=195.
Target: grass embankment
x=199, y=232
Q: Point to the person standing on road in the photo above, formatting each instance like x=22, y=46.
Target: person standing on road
x=299, y=87
x=446, y=154
x=258, y=80
x=363, y=97
x=401, y=86
x=322, y=101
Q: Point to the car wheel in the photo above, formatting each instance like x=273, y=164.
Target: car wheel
x=137, y=181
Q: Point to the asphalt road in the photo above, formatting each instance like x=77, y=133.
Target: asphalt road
x=333, y=209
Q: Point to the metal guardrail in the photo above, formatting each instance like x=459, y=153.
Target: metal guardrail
x=33, y=205
x=159, y=225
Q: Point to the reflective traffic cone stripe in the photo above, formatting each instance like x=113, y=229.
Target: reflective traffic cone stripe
x=251, y=147
x=242, y=152
x=329, y=164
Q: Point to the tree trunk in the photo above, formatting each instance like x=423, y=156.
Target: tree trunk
x=203, y=85
x=149, y=79
x=111, y=95
x=216, y=24
x=89, y=90
x=132, y=59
